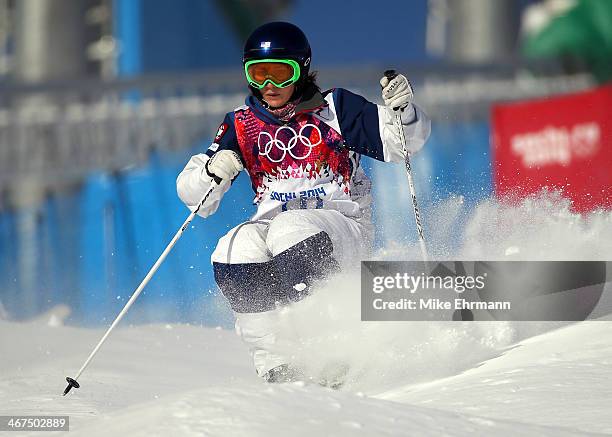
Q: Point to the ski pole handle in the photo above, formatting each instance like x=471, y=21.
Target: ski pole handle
x=390, y=74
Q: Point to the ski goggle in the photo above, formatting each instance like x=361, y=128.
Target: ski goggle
x=279, y=72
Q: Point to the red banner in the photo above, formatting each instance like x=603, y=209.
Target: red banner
x=563, y=143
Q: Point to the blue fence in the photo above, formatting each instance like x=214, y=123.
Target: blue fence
x=456, y=162
x=90, y=249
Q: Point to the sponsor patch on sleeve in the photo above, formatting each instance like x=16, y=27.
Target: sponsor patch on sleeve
x=213, y=147
x=222, y=130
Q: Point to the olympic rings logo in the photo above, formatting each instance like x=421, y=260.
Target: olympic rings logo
x=275, y=143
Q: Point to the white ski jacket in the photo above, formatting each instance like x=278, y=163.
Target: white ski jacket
x=311, y=161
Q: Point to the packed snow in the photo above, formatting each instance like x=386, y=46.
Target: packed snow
x=404, y=378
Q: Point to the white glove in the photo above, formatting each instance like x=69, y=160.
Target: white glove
x=397, y=92
x=224, y=165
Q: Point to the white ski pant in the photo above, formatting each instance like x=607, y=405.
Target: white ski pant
x=261, y=241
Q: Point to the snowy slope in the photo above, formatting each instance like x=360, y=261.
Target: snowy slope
x=560, y=378
x=461, y=378
x=185, y=380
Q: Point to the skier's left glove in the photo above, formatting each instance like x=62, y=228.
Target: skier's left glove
x=397, y=92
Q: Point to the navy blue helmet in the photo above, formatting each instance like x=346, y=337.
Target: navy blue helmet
x=279, y=40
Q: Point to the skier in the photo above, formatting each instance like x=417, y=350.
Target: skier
x=301, y=148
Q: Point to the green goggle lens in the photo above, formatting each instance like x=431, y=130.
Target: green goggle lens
x=279, y=72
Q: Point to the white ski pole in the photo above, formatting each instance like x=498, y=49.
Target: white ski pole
x=390, y=74
x=73, y=382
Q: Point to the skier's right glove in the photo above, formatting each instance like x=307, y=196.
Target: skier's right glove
x=224, y=165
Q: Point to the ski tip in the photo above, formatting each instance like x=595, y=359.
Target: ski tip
x=71, y=383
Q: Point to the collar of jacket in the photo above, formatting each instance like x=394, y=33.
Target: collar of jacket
x=316, y=101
